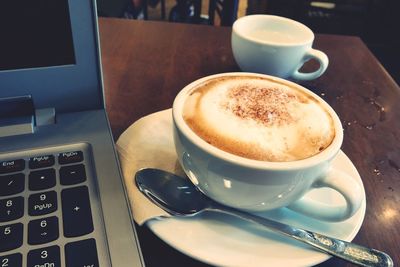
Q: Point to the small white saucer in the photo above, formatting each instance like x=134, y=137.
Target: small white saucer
x=222, y=240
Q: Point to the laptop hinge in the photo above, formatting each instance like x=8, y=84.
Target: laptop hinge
x=45, y=116
x=18, y=116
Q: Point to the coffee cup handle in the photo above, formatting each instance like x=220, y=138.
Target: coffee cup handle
x=343, y=184
x=322, y=59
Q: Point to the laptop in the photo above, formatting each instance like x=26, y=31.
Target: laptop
x=62, y=198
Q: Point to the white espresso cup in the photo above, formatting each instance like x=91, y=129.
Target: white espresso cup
x=256, y=142
x=275, y=46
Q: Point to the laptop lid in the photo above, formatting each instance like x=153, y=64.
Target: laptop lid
x=50, y=51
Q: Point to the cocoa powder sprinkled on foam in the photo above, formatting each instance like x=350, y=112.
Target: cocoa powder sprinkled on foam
x=268, y=106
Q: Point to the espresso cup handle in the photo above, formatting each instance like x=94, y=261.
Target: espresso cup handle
x=343, y=184
x=322, y=59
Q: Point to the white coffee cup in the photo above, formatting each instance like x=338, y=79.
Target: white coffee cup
x=261, y=185
x=275, y=46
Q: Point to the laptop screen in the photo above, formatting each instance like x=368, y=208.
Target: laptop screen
x=49, y=50
x=26, y=29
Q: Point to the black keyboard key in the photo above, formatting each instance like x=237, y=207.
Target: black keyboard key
x=43, y=179
x=11, y=236
x=11, y=209
x=41, y=162
x=12, y=166
x=81, y=253
x=77, y=215
x=43, y=230
x=73, y=174
x=12, y=260
x=49, y=256
x=42, y=203
x=70, y=157
x=12, y=184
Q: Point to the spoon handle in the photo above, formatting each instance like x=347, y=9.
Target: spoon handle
x=345, y=250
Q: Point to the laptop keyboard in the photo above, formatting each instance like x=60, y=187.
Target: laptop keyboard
x=49, y=209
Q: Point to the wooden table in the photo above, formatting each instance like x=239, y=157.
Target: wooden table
x=145, y=64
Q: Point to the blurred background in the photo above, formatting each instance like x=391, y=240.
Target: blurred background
x=376, y=22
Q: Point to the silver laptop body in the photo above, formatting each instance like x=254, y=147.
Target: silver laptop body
x=52, y=120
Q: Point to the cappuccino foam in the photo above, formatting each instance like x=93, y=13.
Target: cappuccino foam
x=258, y=118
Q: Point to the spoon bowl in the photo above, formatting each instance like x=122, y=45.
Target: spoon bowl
x=175, y=194
x=180, y=197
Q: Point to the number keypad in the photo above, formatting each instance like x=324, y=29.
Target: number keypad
x=46, y=210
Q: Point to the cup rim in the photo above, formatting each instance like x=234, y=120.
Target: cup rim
x=278, y=18
x=324, y=156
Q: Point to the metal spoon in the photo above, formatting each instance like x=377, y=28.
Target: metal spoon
x=179, y=197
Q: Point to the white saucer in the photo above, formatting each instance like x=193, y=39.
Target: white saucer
x=223, y=240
